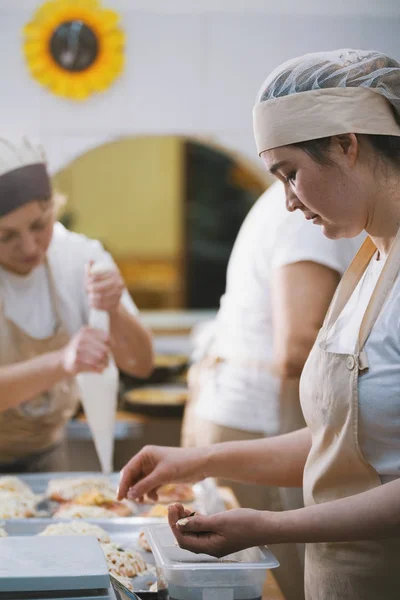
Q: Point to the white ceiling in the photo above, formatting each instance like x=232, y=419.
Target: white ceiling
x=302, y=7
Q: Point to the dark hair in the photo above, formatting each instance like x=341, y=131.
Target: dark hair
x=386, y=146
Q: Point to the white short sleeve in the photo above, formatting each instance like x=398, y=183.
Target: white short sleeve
x=80, y=250
x=300, y=240
x=97, y=253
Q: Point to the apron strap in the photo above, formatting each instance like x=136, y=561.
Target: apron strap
x=348, y=283
x=55, y=301
x=384, y=284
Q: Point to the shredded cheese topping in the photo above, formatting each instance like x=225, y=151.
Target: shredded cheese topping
x=124, y=563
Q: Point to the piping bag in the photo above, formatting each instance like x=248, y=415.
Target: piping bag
x=99, y=392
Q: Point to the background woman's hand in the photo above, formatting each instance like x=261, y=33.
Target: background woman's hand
x=104, y=289
x=88, y=350
x=154, y=466
x=219, y=534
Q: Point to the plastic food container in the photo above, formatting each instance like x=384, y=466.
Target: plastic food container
x=183, y=575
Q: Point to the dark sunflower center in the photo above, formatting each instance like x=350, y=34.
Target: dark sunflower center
x=74, y=46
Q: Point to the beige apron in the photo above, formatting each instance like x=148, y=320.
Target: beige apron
x=32, y=433
x=198, y=432
x=336, y=468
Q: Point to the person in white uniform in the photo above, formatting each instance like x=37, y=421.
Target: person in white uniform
x=280, y=264
x=46, y=289
x=327, y=125
x=281, y=276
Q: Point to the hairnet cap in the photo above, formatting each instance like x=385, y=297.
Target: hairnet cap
x=23, y=174
x=19, y=153
x=368, y=77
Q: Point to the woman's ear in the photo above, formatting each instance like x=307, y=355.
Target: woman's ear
x=348, y=146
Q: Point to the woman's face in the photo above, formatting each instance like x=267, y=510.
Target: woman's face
x=25, y=235
x=336, y=196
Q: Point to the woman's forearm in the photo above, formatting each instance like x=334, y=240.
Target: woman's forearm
x=277, y=461
x=374, y=514
x=131, y=343
x=23, y=381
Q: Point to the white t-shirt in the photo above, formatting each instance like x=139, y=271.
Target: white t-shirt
x=269, y=238
x=27, y=301
x=379, y=385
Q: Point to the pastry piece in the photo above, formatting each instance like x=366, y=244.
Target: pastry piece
x=161, y=511
x=97, y=498
x=67, y=490
x=69, y=510
x=17, y=506
x=123, y=563
x=174, y=492
x=143, y=543
x=15, y=485
x=158, y=510
x=94, y=491
x=77, y=528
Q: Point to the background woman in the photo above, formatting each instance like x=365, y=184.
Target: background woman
x=46, y=289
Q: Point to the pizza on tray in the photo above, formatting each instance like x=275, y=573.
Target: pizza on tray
x=89, y=494
x=77, y=528
x=173, y=492
x=17, y=500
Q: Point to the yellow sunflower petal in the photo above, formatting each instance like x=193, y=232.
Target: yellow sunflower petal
x=108, y=20
x=116, y=39
x=93, y=5
x=32, y=49
x=97, y=77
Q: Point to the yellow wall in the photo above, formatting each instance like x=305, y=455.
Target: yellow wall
x=128, y=194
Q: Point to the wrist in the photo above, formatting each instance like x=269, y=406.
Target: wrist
x=115, y=312
x=281, y=527
x=211, y=460
x=58, y=362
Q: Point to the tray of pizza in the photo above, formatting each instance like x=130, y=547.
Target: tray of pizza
x=89, y=495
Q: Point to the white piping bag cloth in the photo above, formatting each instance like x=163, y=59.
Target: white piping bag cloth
x=99, y=392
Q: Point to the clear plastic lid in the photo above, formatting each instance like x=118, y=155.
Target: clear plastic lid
x=170, y=556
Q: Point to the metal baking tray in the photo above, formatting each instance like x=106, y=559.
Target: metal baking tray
x=123, y=531
x=207, y=499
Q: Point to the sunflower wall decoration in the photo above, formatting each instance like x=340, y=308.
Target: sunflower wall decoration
x=74, y=47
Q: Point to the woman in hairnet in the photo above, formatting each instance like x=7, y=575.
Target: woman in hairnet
x=328, y=126
x=45, y=294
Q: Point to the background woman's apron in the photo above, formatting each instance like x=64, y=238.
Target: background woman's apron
x=31, y=434
x=336, y=468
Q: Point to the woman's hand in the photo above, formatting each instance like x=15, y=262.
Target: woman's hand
x=217, y=535
x=154, y=466
x=88, y=350
x=104, y=288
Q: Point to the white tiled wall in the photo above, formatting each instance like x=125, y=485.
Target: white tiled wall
x=187, y=71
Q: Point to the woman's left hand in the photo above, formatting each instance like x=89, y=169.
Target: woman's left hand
x=218, y=535
x=104, y=289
